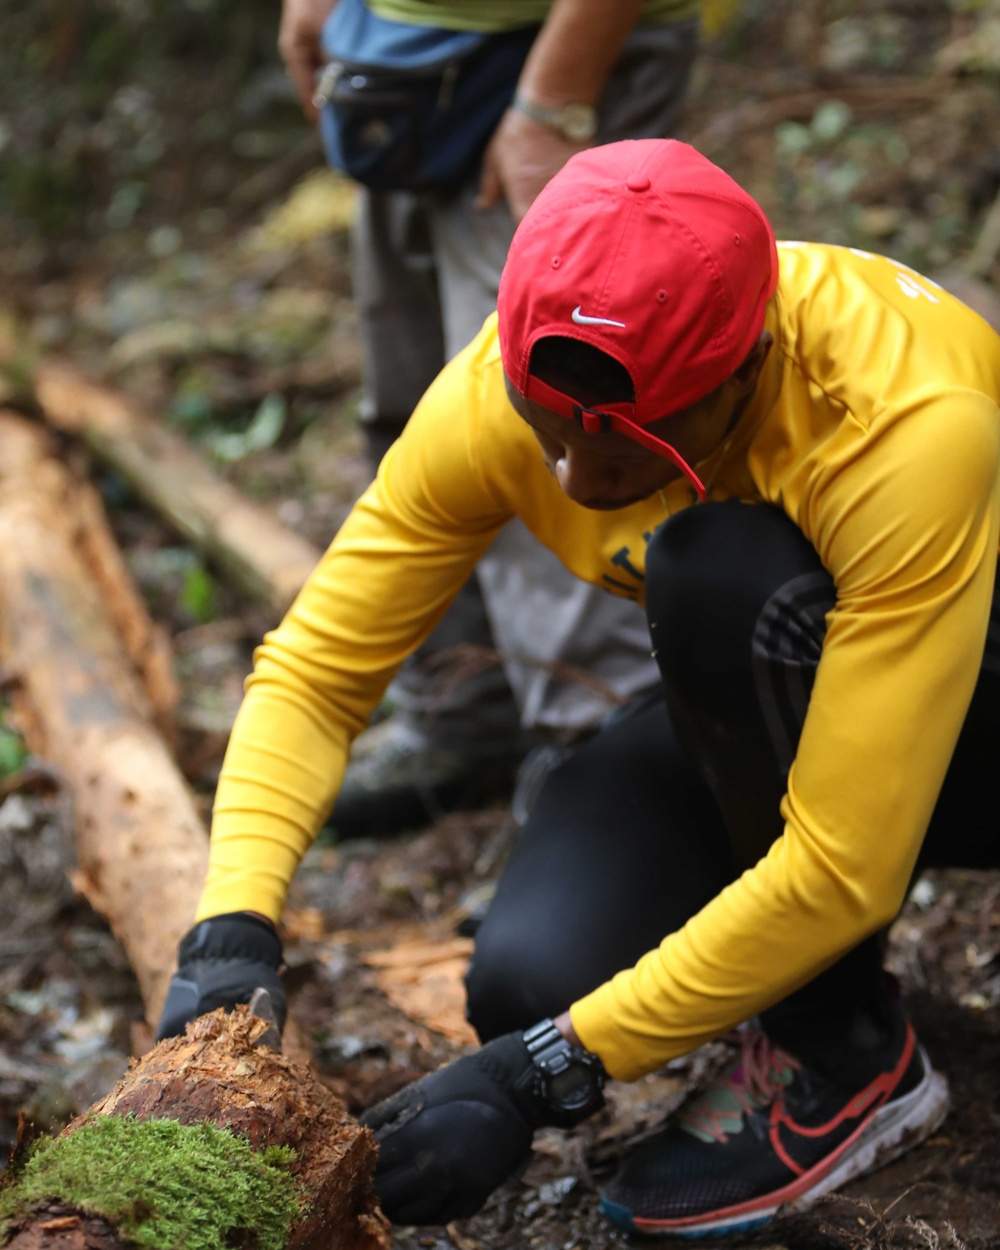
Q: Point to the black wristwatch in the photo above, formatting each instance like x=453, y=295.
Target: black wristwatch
x=568, y=1079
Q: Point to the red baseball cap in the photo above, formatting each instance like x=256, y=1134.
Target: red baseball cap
x=649, y=252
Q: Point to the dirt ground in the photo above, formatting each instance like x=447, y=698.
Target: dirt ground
x=68, y=1004
x=221, y=301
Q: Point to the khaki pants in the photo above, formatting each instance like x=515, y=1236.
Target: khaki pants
x=426, y=271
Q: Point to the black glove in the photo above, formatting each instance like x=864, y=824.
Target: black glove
x=220, y=962
x=448, y=1140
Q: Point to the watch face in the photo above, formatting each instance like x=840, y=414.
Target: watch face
x=573, y=1087
x=567, y=1080
x=579, y=122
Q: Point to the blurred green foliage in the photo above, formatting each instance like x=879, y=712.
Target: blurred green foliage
x=176, y=585
x=193, y=412
x=263, y=432
x=105, y=100
x=198, y=593
x=155, y=122
x=12, y=749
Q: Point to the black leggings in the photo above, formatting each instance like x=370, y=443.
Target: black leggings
x=679, y=791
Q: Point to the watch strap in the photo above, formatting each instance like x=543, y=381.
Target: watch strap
x=576, y=122
x=542, y=1038
x=551, y=1055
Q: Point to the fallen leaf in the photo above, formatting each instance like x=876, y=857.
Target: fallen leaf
x=306, y=923
x=426, y=981
x=421, y=953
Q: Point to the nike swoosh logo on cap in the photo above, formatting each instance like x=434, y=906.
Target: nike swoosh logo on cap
x=581, y=320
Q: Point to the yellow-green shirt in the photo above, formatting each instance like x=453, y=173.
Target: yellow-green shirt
x=875, y=427
x=495, y=15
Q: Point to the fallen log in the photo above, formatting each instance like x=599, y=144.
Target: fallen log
x=259, y=556
x=217, y=1076
x=141, y=854
x=141, y=846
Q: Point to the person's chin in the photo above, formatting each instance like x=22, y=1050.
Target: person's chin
x=614, y=505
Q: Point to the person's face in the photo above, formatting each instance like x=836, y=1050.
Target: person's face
x=607, y=471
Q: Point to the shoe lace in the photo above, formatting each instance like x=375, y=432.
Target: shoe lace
x=752, y=1081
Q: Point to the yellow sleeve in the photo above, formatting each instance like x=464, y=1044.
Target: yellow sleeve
x=399, y=559
x=906, y=522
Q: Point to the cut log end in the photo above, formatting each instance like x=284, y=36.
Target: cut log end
x=219, y=1074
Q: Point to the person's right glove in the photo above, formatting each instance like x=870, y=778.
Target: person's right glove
x=220, y=962
x=448, y=1140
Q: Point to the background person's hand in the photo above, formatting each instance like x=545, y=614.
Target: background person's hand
x=220, y=962
x=520, y=159
x=448, y=1140
x=299, y=46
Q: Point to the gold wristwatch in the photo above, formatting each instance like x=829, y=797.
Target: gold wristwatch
x=576, y=122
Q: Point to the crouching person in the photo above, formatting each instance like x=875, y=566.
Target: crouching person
x=791, y=454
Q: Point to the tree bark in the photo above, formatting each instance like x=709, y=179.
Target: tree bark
x=216, y=1074
x=58, y=1226
x=147, y=644
x=254, y=552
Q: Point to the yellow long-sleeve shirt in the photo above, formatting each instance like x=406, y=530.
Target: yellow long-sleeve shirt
x=875, y=427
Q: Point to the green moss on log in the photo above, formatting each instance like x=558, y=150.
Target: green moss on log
x=164, y=1185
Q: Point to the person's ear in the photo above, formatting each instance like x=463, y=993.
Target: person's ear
x=749, y=371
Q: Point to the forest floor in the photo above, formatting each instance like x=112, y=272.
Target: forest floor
x=222, y=304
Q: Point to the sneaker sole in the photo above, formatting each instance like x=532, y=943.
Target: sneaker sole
x=890, y=1132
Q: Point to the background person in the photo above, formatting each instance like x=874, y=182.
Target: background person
x=426, y=269
x=823, y=627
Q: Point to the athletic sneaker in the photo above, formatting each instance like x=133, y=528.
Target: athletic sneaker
x=769, y=1133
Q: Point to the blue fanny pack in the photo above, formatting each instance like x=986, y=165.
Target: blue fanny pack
x=412, y=107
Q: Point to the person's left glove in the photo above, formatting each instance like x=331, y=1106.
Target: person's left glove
x=448, y=1140
x=220, y=962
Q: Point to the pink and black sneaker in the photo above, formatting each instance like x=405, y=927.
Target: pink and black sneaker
x=770, y=1133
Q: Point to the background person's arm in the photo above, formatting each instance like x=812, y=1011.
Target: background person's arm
x=569, y=63
x=299, y=46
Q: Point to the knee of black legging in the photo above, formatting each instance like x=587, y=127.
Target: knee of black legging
x=709, y=572
x=503, y=995
x=699, y=550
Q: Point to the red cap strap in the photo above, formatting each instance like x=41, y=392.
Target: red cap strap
x=618, y=417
